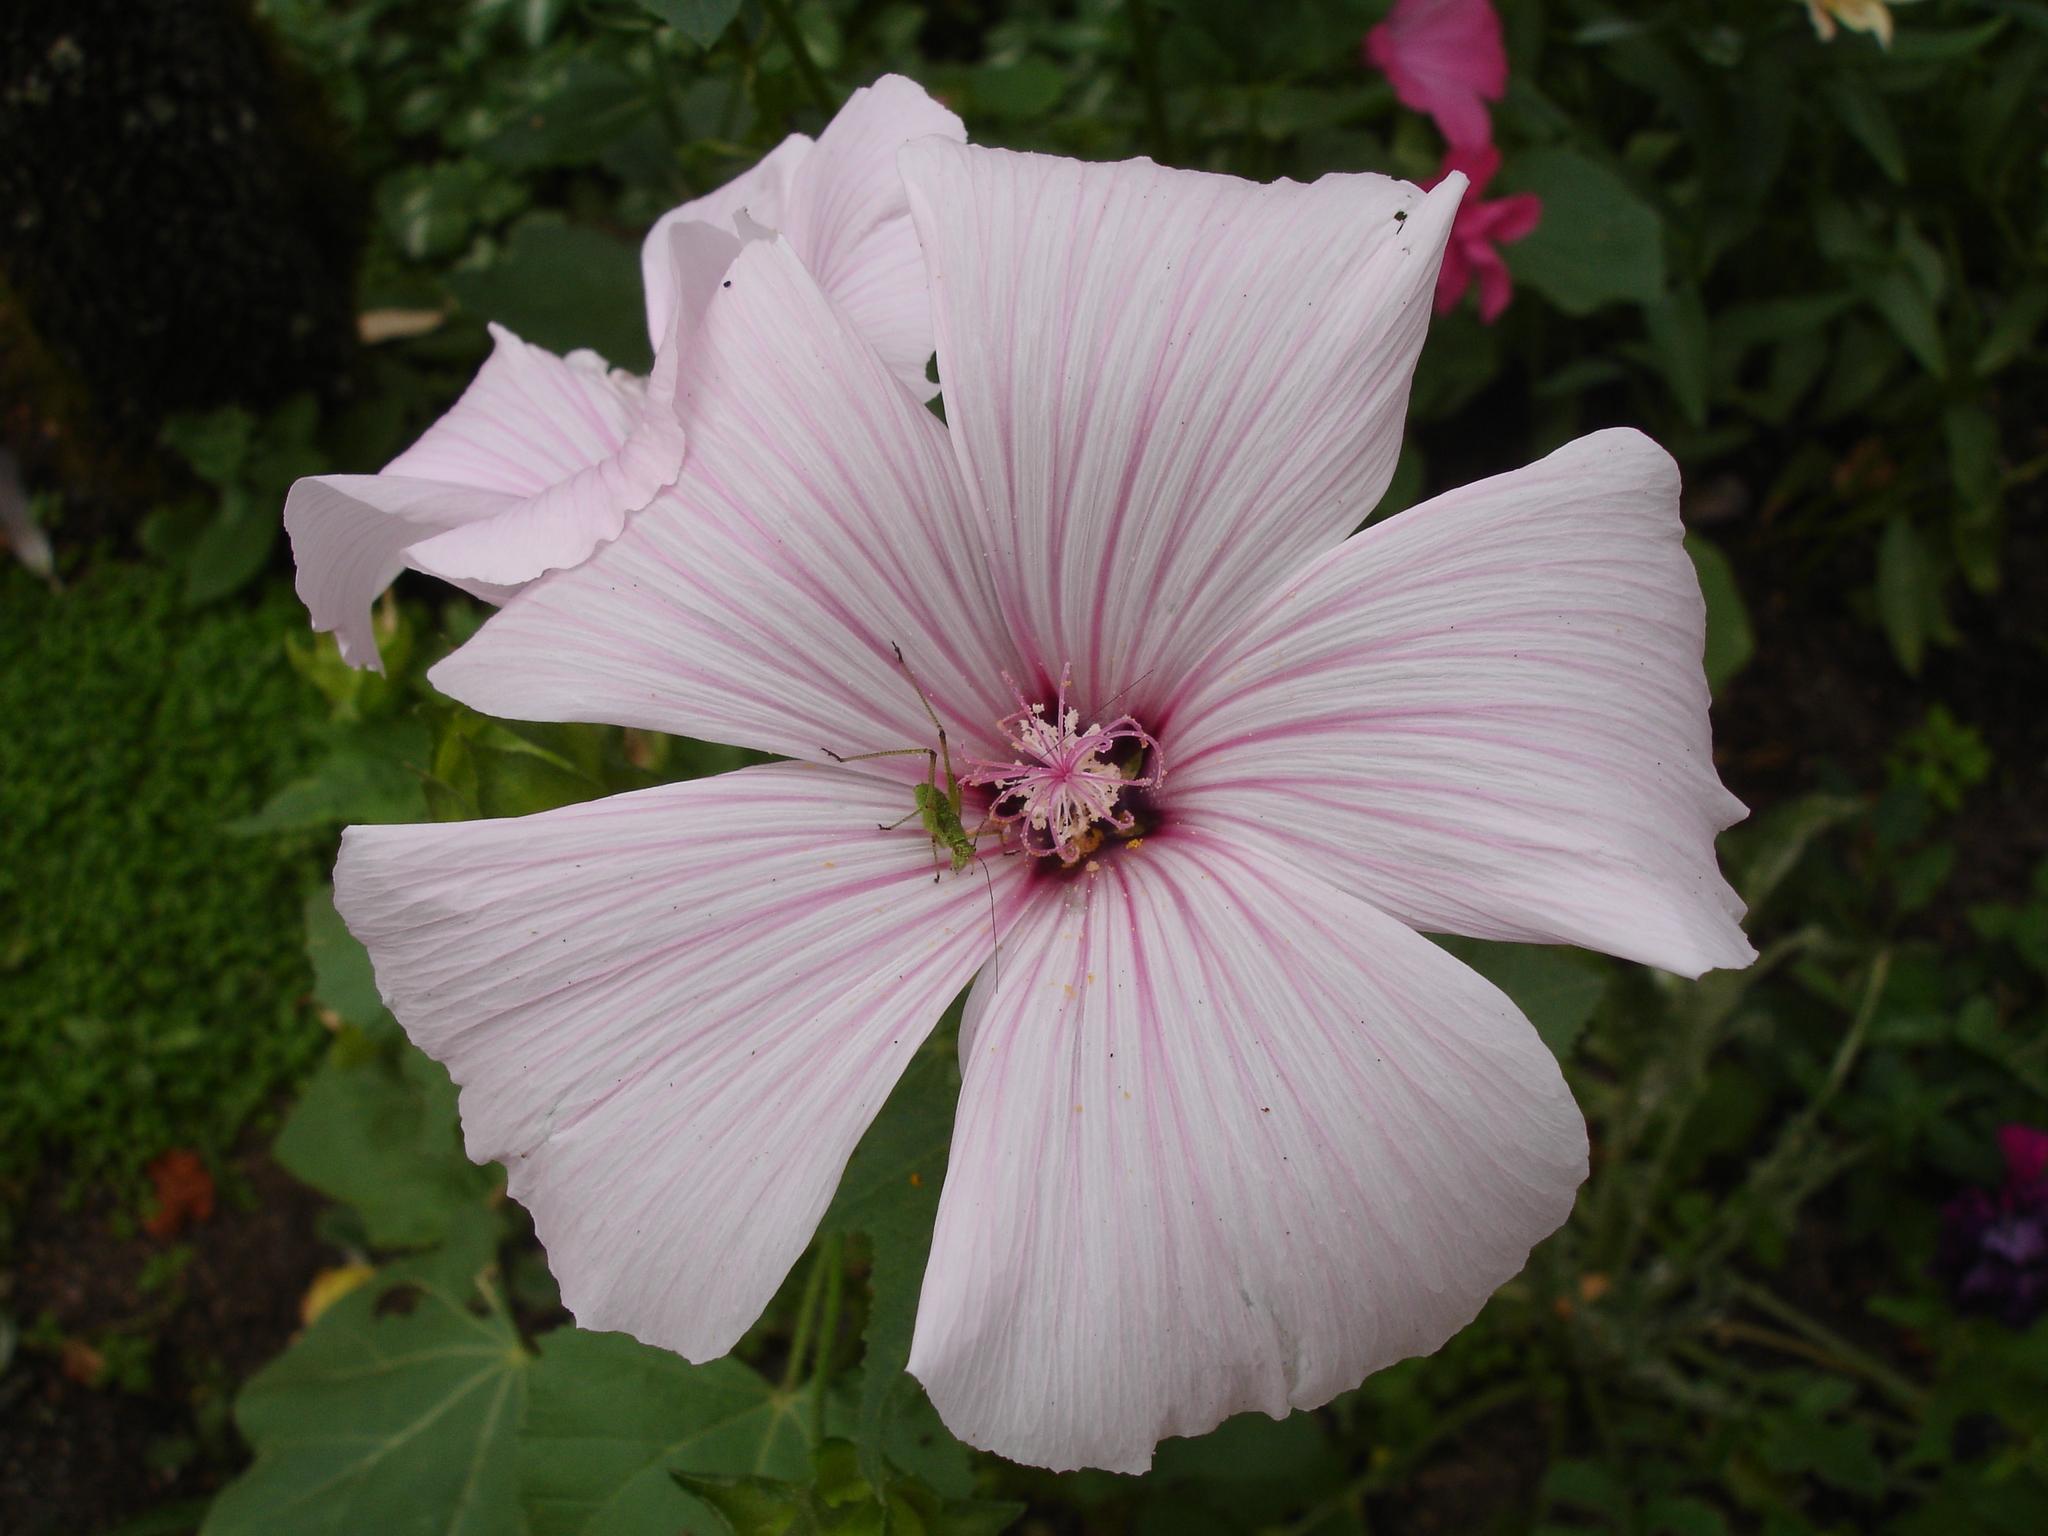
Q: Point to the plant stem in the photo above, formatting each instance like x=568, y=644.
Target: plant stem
x=1711, y=1002
x=1775, y=1176
x=806, y=66
x=1846, y=1356
x=806, y=1324
x=832, y=1260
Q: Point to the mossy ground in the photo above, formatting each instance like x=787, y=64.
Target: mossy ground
x=151, y=963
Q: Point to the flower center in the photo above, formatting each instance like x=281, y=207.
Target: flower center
x=1068, y=789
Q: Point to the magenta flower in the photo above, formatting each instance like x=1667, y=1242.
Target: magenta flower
x=544, y=457
x=1480, y=227
x=1993, y=1249
x=1445, y=58
x=1232, y=1133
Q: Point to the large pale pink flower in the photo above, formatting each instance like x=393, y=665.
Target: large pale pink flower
x=1232, y=1133
x=544, y=457
x=1445, y=58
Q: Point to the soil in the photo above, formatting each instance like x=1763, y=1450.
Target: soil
x=116, y=1402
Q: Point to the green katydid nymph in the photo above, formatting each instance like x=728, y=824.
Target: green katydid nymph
x=937, y=810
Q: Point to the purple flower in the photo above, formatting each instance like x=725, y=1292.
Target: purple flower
x=1232, y=1132
x=1993, y=1250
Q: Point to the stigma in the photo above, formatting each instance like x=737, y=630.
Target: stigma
x=1068, y=790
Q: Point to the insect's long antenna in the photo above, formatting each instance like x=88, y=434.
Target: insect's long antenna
x=1104, y=707
x=861, y=757
x=930, y=713
x=995, y=959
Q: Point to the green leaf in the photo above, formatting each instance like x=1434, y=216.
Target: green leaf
x=1029, y=88
x=1460, y=357
x=1979, y=481
x=233, y=548
x=1900, y=295
x=744, y=1506
x=180, y=1519
x=1730, y=640
x=1253, y=1448
x=1762, y=853
x=1978, y=1027
x=1973, y=458
x=1909, y=604
x=917, y=1440
x=215, y=443
x=598, y=106
x=371, y=776
x=1863, y=112
x=431, y=210
x=1598, y=243
x=703, y=22
x=1588, y=1485
x=1683, y=1516
x=1742, y=326
x=890, y=1191
x=1557, y=988
x=250, y=465
x=376, y=1128
x=562, y=286
x=343, y=978
x=1921, y=46
x=611, y=1418
x=394, y=1415
x=1837, y=1453
x=841, y=1506
x=1680, y=347
x=2013, y=333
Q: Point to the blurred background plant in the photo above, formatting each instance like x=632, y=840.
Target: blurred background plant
x=1811, y=265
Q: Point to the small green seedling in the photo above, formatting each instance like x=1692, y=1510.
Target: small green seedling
x=937, y=810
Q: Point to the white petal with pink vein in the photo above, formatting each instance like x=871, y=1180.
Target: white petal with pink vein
x=1487, y=716
x=723, y=975
x=1229, y=1140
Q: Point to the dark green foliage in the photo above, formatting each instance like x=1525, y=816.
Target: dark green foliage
x=223, y=542
x=563, y=287
x=890, y=1194
x=611, y=1419
x=396, y=1412
x=150, y=963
